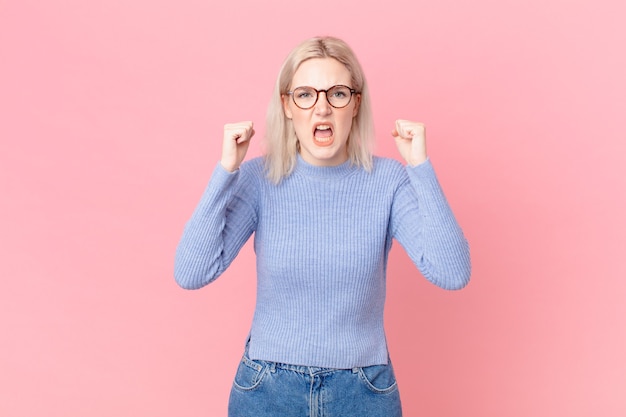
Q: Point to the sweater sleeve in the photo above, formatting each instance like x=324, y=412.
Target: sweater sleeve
x=219, y=226
x=423, y=222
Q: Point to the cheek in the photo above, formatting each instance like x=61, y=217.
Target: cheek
x=346, y=123
x=300, y=124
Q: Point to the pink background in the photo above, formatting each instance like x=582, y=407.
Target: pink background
x=111, y=115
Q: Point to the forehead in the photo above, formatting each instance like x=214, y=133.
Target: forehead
x=321, y=73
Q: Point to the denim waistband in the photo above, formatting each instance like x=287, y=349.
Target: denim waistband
x=306, y=370
x=302, y=369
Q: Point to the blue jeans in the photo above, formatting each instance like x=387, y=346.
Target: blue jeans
x=263, y=389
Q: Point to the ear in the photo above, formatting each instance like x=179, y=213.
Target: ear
x=357, y=103
x=286, y=109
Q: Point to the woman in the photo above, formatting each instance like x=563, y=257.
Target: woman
x=324, y=213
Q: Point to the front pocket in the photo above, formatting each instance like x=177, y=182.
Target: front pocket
x=249, y=374
x=379, y=378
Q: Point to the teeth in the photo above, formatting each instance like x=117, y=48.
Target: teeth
x=323, y=127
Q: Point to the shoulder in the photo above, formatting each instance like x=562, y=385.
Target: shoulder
x=253, y=166
x=253, y=170
x=249, y=178
x=389, y=168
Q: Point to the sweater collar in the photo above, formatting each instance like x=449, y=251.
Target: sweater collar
x=337, y=171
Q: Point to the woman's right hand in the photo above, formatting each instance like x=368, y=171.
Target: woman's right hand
x=235, y=145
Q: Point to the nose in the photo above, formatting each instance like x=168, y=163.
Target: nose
x=322, y=106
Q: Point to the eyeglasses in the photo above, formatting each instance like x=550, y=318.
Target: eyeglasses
x=338, y=96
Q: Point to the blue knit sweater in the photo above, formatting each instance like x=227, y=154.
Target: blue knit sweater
x=322, y=238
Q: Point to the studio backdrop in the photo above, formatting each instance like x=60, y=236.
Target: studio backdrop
x=111, y=118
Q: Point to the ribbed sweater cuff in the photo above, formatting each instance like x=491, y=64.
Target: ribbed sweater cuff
x=425, y=182
x=219, y=189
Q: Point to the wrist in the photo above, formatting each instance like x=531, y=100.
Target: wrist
x=417, y=160
x=229, y=167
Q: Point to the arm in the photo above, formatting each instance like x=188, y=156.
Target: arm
x=220, y=225
x=225, y=217
x=423, y=223
x=422, y=220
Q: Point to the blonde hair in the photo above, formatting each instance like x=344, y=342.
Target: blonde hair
x=281, y=143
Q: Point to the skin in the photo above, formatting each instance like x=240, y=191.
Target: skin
x=322, y=74
x=411, y=141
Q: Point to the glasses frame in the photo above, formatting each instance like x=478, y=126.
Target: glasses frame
x=317, y=96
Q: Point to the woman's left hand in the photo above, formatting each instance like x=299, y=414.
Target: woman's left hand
x=411, y=141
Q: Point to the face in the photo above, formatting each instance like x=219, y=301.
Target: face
x=322, y=130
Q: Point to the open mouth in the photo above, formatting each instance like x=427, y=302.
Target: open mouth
x=323, y=134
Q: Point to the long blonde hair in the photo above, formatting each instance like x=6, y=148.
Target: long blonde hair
x=281, y=143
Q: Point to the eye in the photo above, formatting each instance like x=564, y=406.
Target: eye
x=340, y=92
x=304, y=93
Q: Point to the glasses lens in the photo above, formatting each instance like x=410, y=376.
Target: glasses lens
x=339, y=96
x=304, y=97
